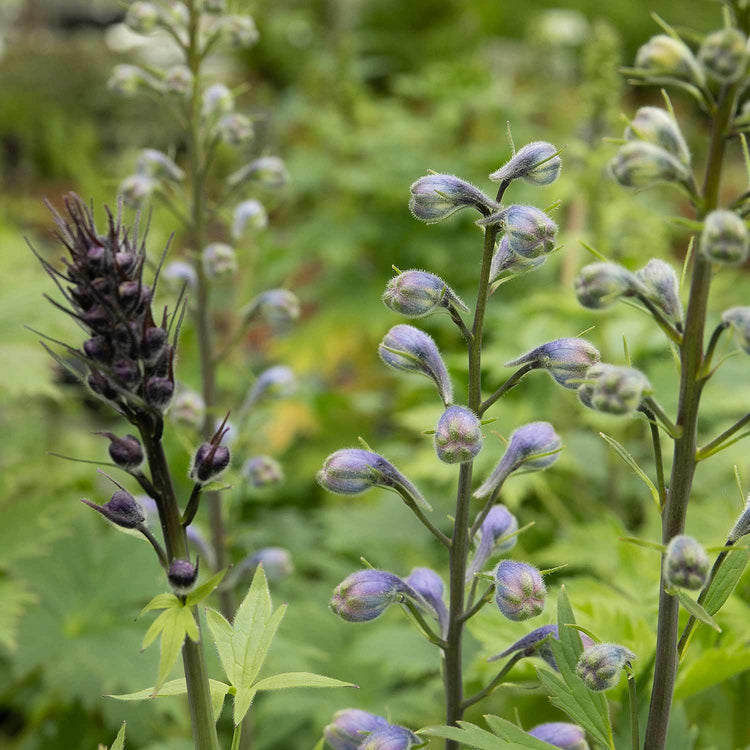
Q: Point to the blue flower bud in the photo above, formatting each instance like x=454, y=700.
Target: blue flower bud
x=142, y=17
x=530, y=232
x=614, y=390
x=235, y=129
x=437, y=196
x=350, y=727
x=366, y=594
x=564, y=359
x=458, y=435
x=178, y=272
x=219, y=260
x=122, y=510
x=178, y=80
x=532, y=447
x=211, y=460
x=217, y=101
x=408, y=349
x=188, y=408
x=182, y=575
x=390, y=738
x=279, y=307
x=278, y=382
x=656, y=125
x=536, y=163
x=561, y=734
x=738, y=318
x=262, y=471
x=723, y=54
x=419, y=293
x=248, y=215
x=429, y=585
x=520, y=592
x=600, y=285
x=666, y=56
x=725, y=238
x=153, y=163
x=505, y=260
x=640, y=164
x=686, y=563
x=268, y=171
x=662, y=287
x=742, y=527
x=498, y=523
x=136, y=188
x=237, y=31
x=276, y=562
x=536, y=643
x=599, y=666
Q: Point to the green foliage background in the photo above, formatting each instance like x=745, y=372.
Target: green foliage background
x=361, y=98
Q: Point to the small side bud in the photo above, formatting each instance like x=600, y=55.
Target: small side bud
x=561, y=734
x=217, y=101
x=725, y=238
x=600, y=285
x=458, y=435
x=235, y=129
x=129, y=80
x=723, y=54
x=408, y=349
x=279, y=307
x=662, y=287
x=437, y=196
x=126, y=452
x=530, y=232
x=178, y=80
x=640, y=164
x=178, y=272
x=537, y=163
x=506, y=261
x=153, y=163
x=418, y=293
x=249, y=216
x=666, y=56
x=429, y=585
x=500, y=522
x=656, y=125
x=520, y=592
x=136, y=189
x=742, y=527
x=210, y=461
x=599, y=666
x=268, y=172
x=262, y=471
x=738, y=318
x=614, y=390
x=182, y=575
x=142, y=17
x=188, y=408
x=159, y=392
x=391, y=738
x=686, y=563
x=237, y=31
x=565, y=360
x=122, y=510
x=349, y=728
x=276, y=562
x=219, y=260
x=366, y=594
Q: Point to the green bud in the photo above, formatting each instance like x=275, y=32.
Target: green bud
x=640, y=164
x=724, y=54
x=656, y=125
x=725, y=238
x=666, y=56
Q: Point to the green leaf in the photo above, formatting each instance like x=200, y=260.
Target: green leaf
x=288, y=680
x=205, y=590
x=222, y=633
x=14, y=597
x=320, y=744
x=119, y=743
x=725, y=580
x=469, y=734
x=633, y=464
x=252, y=668
x=515, y=735
x=161, y=601
x=712, y=667
x=154, y=629
x=695, y=609
x=172, y=637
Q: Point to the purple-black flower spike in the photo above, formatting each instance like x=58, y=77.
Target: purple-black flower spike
x=416, y=294
x=686, y=563
x=366, y=594
x=429, y=585
x=182, y=575
x=458, y=435
x=391, y=737
x=537, y=163
x=408, y=349
x=533, y=439
x=437, y=196
x=499, y=523
x=561, y=734
x=520, y=592
x=349, y=728
x=565, y=360
x=122, y=510
x=599, y=666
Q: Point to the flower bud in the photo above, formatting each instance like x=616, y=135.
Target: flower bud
x=640, y=164
x=122, y=510
x=458, y=435
x=536, y=643
x=249, y=216
x=366, y=594
x=408, y=349
x=159, y=392
x=599, y=666
x=419, y=293
x=429, y=585
x=217, y=101
x=656, y=125
x=142, y=17
x=725, y=238
x=235, y=129
x=505, y=260
x=390, y=738
x=436, y=196
x=178, y=272
x=128, y=80
x=136, y=189
x=214, y=7
x=237, y=31
x=178, y=80
x=98, y=348
x=561, y=734
x=278, y=382
x=739, y=320
x=724, y=54
x=499, y=523
x=126, y=452
x=600, y=285
x=519, y=590
x=268, y=171
x=262, y=471
x=188, y=408
x=686, y=563
x=153, y=163
x=533, y=447
x=662, y=287
x=219, y=260
x=276, y=562
x=666, y=56
x=565, y=360
x=530, y=232
x=279, y=307
x=182, y=575
x=742, y=527
x=537, y=163
x=614, y=390
x=349, y=728
x=209, y=462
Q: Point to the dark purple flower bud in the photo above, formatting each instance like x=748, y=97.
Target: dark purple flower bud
x=505, y=260
x=537, y=163
x=418, y=293
x=656, y=125
x=533, y=447
x=500, y=522
x=725, y=238
x=429, y=585
x=130, y=293
x=349, y=728
x=723, y=54
x=125, y=261
x=436, y=196
x=565, y=360
x=662, y=287
x=126, y=373
x=686, y=563
x=614, y=390
x=98, y=348
x=600, y=285
x=599, y=666
x=276, y=561
x=560, y=734
x=97, y=318
x=519, y=590
x=153, y=343
x=391, y=738
x=738, y=318
x=122, y=510
x=408, y=349
x=530, y=232
x=458, y=435
x=126, y=452
x=666, y=56
x=159, y=392
x=182, y=576
x=101, y=386
x=640, y=164
x=366, y=594
x=279, y=307
x=209, y=462
x=262, y=471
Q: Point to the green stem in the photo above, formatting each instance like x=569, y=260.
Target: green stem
x=710, y=448
x=661, y=320
x=674, y=430
x=635, y=739
x=421, y=623
x=506, y=386
x=486, y=596
x=711, y=348
x=499, y=678
x=658, y=457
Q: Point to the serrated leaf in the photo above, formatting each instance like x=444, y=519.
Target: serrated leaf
x=725, y=580
x=695, y=609
x=289, y=680
x=189, y=624
x=633, y=464
x=119, y=743
x=222, y=633
x=515, y=735
x=154, y=629
x=561, y=698
x=205, y=590
x=161, y=601
x=14, y=597
x=469, y=734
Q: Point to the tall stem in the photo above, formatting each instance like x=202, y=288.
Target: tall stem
x=684, y=463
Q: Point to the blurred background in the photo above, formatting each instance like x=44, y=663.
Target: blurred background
x=360, y=97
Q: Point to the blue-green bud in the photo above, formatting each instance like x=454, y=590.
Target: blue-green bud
x=128, y=80
x=178, y=80
x=724, y=54
x=530, y=232
x=237, y=31
x=533, y=447
x=614, y=390
x=262, y=471
x=366, y=594
x=565, y=360
x=121, y=510
x=279, y=307
x=656, y=125
x=153, y=163
x=738, y=318
x=599, y=666
x=659, y=280
x=179, y=272
x=742, y=527
x=500, y=522
x=142, y=17
x=408, y=349
x=429, y=585
x=416, y=293
x=458, y=435
x=182, y=575
x=640, y=164
x=505, y=260
x=278, y=382
x=235, y=129
x=536, y=643
x=217, y=101
x=391, y=738
x=249, y=216
x=437, y=196
x=219, y=260
x=137, y=188
x=520, y=592
x=600, y=285
x=188, y=408
x=561, y=734
x=725, y=238
x=686, y=563
x=666, y=56
x=268, y=171
x=350, y=727
x=537, y=163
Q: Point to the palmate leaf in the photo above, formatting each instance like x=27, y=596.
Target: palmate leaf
x=468, y=734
